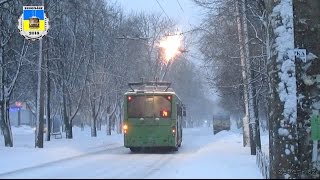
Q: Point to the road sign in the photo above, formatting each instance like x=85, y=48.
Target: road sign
x=298, y=53
x=301, y=53
x=315, y=128
x=14, y=109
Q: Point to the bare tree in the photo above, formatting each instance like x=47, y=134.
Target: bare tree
x=283, y=126
x=8, y=12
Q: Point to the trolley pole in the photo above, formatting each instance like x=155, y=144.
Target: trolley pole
x=166, y=70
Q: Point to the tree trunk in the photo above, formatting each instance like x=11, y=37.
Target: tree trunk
x=67, y=122
x=246, y=135
x=251, y=107
x=307, y=37
x=256, y=114
x=283, y=134
x=108, y=125
x=4, y=105
x=93, y=128
x=93, y=120
x=110, y=117
x=99, y=124
x=120, y=121
x=5, y=124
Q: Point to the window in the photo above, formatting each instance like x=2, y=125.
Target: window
x=179, y=110
x=149, y=106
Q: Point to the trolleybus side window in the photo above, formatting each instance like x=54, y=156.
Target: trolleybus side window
x=149, y=106
x=179, y=110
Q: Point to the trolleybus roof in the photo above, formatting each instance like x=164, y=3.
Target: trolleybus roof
x=151, y=84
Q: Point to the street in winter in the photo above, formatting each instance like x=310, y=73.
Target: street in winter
x=160, y=89
x=202, y=155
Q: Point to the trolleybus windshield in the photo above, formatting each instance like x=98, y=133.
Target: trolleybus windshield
x=149, y=106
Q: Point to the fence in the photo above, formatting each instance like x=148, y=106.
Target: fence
x=262, y=161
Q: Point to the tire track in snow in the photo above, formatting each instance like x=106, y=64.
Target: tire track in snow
x=55, y=162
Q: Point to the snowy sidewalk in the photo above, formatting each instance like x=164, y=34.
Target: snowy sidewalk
x=25, y=155
x=223, y=157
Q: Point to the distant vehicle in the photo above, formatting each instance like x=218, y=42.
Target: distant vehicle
x=153, y=116
x=221, y=122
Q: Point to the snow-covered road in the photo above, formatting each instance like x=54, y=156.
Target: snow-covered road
x=202, y=155
x=112, y=163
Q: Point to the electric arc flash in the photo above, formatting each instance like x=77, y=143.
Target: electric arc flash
x=171, y=45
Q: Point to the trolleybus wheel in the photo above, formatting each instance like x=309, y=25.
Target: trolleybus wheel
x=134, y=149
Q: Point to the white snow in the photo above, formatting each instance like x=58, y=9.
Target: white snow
x=287, y=151
x=316, y=105
x=283, y=132
x=202, y=155
x=311, y=56
x=307, y=80
x=284, y=45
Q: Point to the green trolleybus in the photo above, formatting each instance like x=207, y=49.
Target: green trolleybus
x=152, y=117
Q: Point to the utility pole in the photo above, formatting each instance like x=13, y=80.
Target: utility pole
x=40, y=100
x=169, y=63
x=48, y=94
x=166, y=70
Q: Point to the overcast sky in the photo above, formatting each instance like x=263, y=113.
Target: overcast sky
x=184, y=12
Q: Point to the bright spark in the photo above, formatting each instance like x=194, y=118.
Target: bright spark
x=171, y=45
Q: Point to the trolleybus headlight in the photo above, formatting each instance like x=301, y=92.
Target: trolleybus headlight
x=173, y=130
x=125, y=128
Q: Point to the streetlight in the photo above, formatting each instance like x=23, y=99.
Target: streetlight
x=19, y=106
x=40, y=99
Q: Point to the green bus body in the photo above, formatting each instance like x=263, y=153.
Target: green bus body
x=153, y=132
